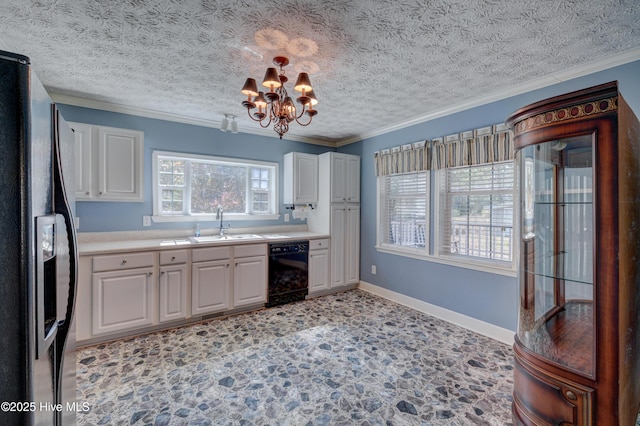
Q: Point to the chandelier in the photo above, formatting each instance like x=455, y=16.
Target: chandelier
x=276, y=105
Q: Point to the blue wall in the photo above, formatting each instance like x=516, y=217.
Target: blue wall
x=487, y=297
x=97, y=216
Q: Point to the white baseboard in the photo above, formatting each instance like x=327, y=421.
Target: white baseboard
x=497, y=333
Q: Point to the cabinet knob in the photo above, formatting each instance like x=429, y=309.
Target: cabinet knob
x=124, y=261
x=571, y=395
x=162, y=273
x=149, y=274
x=100, y=193
x=87, y=193
x=173, y=258
x=227, y=265
x=236, y=264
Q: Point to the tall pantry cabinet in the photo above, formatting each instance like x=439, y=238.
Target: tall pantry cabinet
x=338, y=214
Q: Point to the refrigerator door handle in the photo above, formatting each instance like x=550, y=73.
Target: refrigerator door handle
x=64, y=207
x=65, y=274
x=46, y=316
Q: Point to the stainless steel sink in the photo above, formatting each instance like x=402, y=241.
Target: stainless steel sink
x=230, y=237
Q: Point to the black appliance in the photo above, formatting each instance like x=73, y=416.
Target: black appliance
x=38, y=258
x=288, y=272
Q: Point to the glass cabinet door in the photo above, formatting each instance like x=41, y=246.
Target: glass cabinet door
x=556, y=282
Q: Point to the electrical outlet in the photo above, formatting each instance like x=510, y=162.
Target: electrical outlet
x=286, y=217
x=373, y=269
x=146, y=220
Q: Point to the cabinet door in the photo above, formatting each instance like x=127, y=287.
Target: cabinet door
x=353, y=179
x=300, y=178
x=318, y=270
x=210, y=282
x=123, y=300
x=338, y=238
x=173, y=292
x=120, y=162
x=338, y=178
x=250, y=281
x=352, y=245
x=83, y=148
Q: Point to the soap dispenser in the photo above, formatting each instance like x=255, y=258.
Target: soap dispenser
x=197, y=234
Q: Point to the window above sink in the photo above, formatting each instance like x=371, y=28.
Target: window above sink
x=188, y=187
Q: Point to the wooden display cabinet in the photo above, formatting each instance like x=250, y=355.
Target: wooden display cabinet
x=577, y=348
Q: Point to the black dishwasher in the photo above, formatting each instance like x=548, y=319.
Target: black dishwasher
x=288, y=272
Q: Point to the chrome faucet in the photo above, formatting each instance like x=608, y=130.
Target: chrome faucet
x=219, y=213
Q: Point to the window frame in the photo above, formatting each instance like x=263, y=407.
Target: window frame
x=472, y=262
x=159, y=216
x=381, y=245
x=431, y=253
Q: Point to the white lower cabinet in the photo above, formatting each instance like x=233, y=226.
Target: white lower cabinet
x=249, y=275
x=319, y=272
x=173, y=293
x=345, y=244
x=123, y=300
x=352, y=245
x=210, y=282
x=249, y=281
x=124, y=293
x=173, y=286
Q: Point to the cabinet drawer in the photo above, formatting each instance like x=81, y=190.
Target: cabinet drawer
x=210, y=253
x=250, y=250
x=123, y=261
x=543, y=399
x=319, y=244
x=173, y=257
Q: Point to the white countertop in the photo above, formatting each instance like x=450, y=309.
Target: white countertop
x=96, y=246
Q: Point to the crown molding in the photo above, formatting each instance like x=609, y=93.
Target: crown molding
x=160, y=115
x=539, y=83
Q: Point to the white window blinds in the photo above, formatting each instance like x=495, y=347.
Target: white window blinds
x=403, y=210
x=476, y=211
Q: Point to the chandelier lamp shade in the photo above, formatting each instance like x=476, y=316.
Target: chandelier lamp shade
x=276, y=106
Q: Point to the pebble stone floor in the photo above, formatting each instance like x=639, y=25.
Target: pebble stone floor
x=342, y=359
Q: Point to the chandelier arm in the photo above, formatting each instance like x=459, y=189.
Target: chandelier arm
x=304, y=124
x=264, y=126
x=301, y=113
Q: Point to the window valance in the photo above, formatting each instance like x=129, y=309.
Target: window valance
x=407, y=158
x=480, y=146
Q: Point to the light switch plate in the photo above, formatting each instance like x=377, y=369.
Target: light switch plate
x=146, y=220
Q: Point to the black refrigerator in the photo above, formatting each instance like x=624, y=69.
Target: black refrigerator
x=38, y=255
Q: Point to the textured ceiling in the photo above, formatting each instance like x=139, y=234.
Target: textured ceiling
x=374, y=64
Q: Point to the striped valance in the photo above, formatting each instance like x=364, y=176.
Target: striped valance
x=402, y=159
x=481, y=146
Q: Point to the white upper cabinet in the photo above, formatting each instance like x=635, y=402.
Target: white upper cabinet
x=109, y=163
x=300, y=178
x=119, y=164
x=353, y=179
x=83, y=160
x=345, y=178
